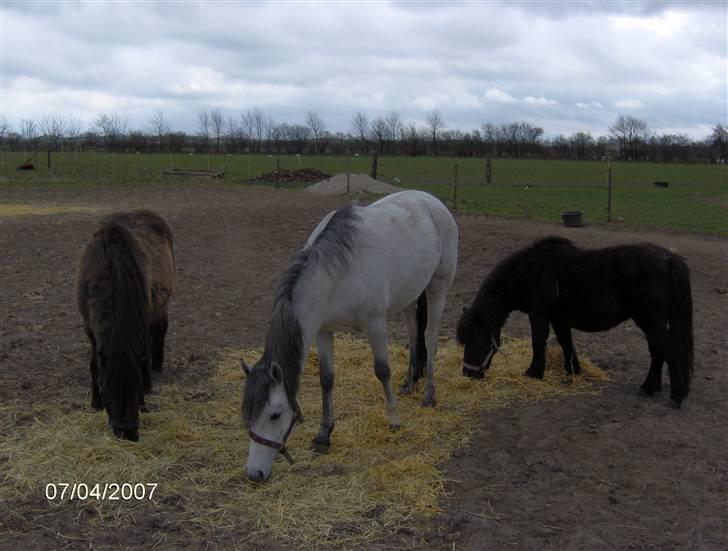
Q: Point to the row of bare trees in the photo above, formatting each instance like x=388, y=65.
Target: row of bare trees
x=255, y=131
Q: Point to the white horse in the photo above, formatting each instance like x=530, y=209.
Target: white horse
x=359, y=264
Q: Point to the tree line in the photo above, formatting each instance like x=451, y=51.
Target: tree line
x=253, y=131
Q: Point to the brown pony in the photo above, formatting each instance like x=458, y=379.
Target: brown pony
x=126, y=278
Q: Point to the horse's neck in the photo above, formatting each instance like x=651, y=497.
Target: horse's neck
x=310, y=301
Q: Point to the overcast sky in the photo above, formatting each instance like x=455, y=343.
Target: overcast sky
x=564, y=66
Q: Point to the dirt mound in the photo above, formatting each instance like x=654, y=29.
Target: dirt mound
x=284, y=176
x=358, y=183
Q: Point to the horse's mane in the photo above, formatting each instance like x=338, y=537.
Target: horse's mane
x=126, y=329
x=283, y=344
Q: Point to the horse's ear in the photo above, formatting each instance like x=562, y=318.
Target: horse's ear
x=245, y=367
x=276, y=373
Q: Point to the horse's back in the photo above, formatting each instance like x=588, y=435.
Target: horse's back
x=403, y=241
x=153, y=241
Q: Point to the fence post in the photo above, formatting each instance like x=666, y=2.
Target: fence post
x=374, y=165
x=488, y=170
x=455, y=189
x=609, y=189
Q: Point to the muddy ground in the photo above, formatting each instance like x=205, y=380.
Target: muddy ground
x=615, y=471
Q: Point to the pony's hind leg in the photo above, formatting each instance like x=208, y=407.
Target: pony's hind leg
x=653, y=381
x=377, y=336
x=325, y=348
x=97, y=402
x=539, y=335
x=436, y=293
x=159, y=332
x=563, y=335
x=414, y=371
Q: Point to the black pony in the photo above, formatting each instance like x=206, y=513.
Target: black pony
x=126, y=278
x=557, y=283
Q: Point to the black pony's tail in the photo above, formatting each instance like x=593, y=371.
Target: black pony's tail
x=130, y=298
x=680, y=317
x=421, y=348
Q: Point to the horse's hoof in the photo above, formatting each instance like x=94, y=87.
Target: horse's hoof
x=428, y=402
x=647, y=391
x=675, y=402
x=320, y=448
x=394, y=427
x=534, y=374
x=406, y=389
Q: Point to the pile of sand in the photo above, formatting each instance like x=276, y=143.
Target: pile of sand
x=358, y=183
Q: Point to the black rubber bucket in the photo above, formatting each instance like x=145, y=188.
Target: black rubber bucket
x=573, y=218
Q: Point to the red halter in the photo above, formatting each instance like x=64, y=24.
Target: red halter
x=280, y=446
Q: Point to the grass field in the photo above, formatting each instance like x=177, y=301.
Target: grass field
x=696, y=200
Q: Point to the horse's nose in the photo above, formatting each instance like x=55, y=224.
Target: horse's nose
x=257, y=476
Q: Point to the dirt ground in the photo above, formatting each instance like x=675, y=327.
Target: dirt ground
x=616, y=471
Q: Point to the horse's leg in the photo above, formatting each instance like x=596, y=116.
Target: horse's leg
x=159, y=332
x=377, y=336
x=563, y=334
x=97, y=402
x=436, y=293
x=653, y=381
x=659, y=346
x=539, y=334
x=325, y=347
x=410, y=319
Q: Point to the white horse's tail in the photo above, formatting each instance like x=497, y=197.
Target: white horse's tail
x=421, y=348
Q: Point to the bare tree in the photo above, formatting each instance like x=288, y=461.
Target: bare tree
x=203, y=129
x=29, y=132
x=258, y=120
x=232, y=132
x=359, y=127
x=112, y=128
x=73, y=131
x=394, y=123
x=5, y=129
x=159, y=127
x=317, y=126
x=217, y=124
x=54, y=129
x=435, y=123
x=379, y=132
x=629, y=132
x=246, y=126
x=719, y=139
x=298, y=134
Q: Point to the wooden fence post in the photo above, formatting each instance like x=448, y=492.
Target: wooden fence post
x=374, y=165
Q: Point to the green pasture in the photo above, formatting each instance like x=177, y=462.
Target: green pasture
x=696, y=199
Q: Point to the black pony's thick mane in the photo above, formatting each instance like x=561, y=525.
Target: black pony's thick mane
x=126, y=329
x=331, y=251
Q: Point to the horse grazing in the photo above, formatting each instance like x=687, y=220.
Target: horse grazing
x=126, y=278
x=557, y=283
x=359, y=264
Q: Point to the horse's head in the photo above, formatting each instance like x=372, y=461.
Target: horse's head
x=121, y=388
x=270, y=414
x=480, y=337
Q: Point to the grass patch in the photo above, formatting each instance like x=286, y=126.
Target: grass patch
x=372, y=481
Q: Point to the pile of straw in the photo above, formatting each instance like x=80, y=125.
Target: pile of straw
x=372, y=481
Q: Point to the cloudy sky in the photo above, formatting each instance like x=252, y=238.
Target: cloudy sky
x=565, y=66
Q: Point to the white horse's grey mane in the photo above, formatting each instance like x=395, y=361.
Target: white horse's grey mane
x=330, y=250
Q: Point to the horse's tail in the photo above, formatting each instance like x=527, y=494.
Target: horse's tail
x=421, y=349
x=680, y=318
x=130, y=297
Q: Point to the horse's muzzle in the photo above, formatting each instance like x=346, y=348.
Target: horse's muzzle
x=472, y=371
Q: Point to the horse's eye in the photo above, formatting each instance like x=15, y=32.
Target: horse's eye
x=275, y=416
